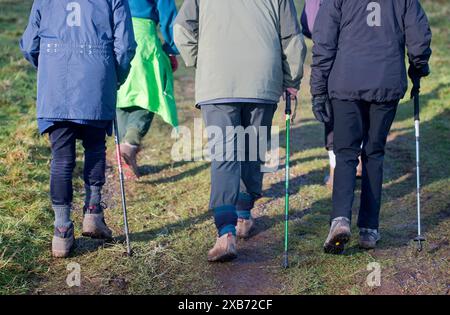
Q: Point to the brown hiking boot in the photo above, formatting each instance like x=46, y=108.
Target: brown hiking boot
x=339, y=236
x=244, y=227
x=368, y=238
x=330, y=178
x=359, y=168
x=224, y=249
x=129, y=154
x=94, y=225
x=63, y=241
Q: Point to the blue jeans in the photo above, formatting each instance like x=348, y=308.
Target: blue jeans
x=63, y=136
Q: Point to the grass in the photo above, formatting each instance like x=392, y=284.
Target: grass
x=171, y=228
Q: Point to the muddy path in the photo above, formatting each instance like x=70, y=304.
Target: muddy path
x=255, y=270
x=258, y=269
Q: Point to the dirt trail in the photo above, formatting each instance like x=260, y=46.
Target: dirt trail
x=254, y=271
x=257, y=270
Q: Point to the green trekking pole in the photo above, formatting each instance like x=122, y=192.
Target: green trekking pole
x=288, y=113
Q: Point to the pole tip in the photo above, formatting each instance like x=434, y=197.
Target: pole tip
x=128, y=253
x=420, y=240
x=285, y=261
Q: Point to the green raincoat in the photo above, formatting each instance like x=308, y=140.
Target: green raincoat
x=150, y=83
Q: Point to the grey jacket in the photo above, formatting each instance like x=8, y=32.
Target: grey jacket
x=241, y=48
x=359, y=48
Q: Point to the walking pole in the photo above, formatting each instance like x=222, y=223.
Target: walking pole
x=419, y=239
x=122, y=186
x=288, y=113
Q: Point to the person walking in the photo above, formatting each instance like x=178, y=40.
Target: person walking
x=358, y=77
x=82, y=51
x=308, y=19
x=247, y=53
x=149, y=88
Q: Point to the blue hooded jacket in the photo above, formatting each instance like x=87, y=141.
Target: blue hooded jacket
x=163, y=12
x=83, y=51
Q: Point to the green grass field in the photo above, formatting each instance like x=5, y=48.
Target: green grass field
x=171, y=227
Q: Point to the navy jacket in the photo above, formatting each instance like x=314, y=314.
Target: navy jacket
x=359, y=48
x=83, y=51
x=163, y=12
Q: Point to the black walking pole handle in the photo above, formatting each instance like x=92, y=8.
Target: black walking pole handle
x=416, y=107
x=415, y=92
x=288, y=110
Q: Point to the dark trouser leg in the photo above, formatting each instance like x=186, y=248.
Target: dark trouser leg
x=134, y=124
x=329, y=136
x=259, y=118
x=381, y=117
x=63, y=139
x=225, y=169
x=350, y=119
x=122, y=122
x=94, y=143
x=329, y=145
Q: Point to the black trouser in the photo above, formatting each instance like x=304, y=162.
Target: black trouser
x=63, y=136
x=369, y=123
x=329, y=135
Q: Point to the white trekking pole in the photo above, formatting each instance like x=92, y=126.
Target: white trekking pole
x=419, y=239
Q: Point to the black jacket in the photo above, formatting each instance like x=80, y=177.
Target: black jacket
x=359, y=48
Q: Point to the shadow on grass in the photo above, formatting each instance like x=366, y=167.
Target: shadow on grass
x=263, y=223
x=175, y=178
x=146, y=170
x=406, y=109
x=168, y=229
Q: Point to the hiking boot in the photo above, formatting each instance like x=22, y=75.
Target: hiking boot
x=339, y=236
x=62, y=242
x=368, y=238
x=244, y=227
x=359, y=168
x=94, y=225
x=330, y=178
x=129, y=154
x=224, y=249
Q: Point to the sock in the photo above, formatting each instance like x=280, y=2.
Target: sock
x=93, y=195
x=244, y=214
x=227, y=229
x=244, y=206
x=332, y=158
x=225, y=218
x=62, y=216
